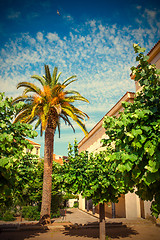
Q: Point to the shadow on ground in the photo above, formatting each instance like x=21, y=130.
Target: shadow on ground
x=21, y=235
x=91, y=230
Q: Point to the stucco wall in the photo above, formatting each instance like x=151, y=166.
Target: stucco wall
x=119, y=208
x=132, y=205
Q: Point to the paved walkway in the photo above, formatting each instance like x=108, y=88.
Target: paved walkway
x=120, y=229
x=76, y=216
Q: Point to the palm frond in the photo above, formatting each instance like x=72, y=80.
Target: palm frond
x=82, y=126
x=33, y=110
x=29, y=90
x=29, y=85
x=72, y=92
x=69, y=82
x=74, y=76
x=57, y=88
x=48, y=75
x=44, y=120
x=19, y=99
x=38, y=123
x=46, y=109
x=58, y=125
x=66, y=120
x=74, y=98
x=69, y=111
x=34, y=119
x=40, y=79
x=58, y=75
x=22, y=115
x=78, y=111
x=54, y=76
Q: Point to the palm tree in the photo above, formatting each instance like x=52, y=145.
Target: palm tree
x=46, y=106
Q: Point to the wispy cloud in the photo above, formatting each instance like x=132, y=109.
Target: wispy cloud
x=151, y=14
x=13, y=14
x=32, y=15
x=68, y=18
x=152, y=17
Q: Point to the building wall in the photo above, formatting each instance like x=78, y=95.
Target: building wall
x=132, y=205
x=35, y=150
x=92, y=143
x=58, y=159
x=71, y=202
x=119, y=208
x=156, y=60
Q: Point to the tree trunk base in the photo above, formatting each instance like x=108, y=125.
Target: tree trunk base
x=102, y=226
x=45, y=219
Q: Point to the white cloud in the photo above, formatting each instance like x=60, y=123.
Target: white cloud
x=40, y=36
x=52, y=37
x=151, y=13
x=92, y=23
x=152, y=16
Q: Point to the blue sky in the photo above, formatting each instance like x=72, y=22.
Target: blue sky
x=92, y=39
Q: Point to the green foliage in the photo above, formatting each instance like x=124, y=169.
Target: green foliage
x=74, y=177
x=134, y=137
x=12, y=136
x=26, y=171
x=55, y=214
x=31, y=213
x=21, y=175
x=12, y=143
x=35, y=192
x=76, y=204
x=68, y=196
x=27, y=187
x=8, y=216
x=93, y=176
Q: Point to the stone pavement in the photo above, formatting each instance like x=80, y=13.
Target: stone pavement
x=76, y=216
x=83, y=226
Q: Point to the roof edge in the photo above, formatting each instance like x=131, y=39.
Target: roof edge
x=91, y=132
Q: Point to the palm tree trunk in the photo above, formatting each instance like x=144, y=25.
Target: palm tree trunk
x=47, y=176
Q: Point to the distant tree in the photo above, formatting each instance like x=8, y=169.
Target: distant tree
x=95, y=177
x=47, y=106
x=134, y=137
